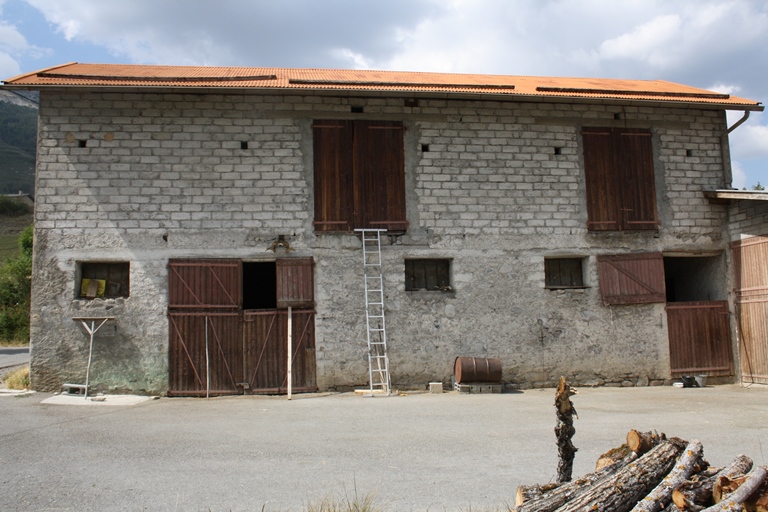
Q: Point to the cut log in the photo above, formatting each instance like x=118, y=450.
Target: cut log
x=526, y=493
x=725, y=485
x=612, y=456
x=557, y=497
x=661, y=495
x=564, y=430
x=696, y=494
x=642, y=442
x=750, y=486
x=622, y=491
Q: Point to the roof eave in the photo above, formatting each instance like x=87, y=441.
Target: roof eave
x=377, y=93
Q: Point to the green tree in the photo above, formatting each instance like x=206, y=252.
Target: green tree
x=15, y=287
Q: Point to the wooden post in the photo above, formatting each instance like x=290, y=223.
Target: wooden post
x=207, y=363
x=290, y=350
x=564, y=431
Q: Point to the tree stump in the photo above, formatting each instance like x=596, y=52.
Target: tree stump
x=564, y=430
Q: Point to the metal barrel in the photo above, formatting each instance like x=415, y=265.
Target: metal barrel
x=477, y=369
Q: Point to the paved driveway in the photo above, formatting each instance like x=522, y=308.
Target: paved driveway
x=415, y=452
x=13, y=356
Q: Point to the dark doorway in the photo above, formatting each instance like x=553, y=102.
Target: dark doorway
x=259, y=285
x=689, y=279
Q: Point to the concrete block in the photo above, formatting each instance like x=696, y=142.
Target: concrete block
x=435, y=387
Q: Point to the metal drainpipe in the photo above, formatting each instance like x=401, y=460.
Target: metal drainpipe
x=726, y=151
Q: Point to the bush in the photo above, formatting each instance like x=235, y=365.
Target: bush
x=13, y=207
x=15, y=285
x=18, y=379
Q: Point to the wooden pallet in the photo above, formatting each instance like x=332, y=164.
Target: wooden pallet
x=477, y=387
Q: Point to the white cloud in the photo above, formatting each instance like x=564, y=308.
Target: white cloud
x=287, y=33
x=750, y=142
x=739, y=180
x=725, y=89
x=356, y=60
x=648, y=41
x=13, y=45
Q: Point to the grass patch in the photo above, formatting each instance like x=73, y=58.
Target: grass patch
x=8, y=246
x=18, y=379
x=11, y=227
x=345, y=504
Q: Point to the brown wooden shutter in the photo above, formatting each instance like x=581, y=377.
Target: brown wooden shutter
x=205, y=284
x=634, y=156
x=632, y=278
x=380, y=176
x=334, y=203
x=603, y=194
x=295, y=283
x=620, y=182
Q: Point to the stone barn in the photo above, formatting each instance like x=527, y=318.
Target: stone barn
x=578, y=227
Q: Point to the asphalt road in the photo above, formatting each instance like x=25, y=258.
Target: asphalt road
x=415, y=452
x=13, y=356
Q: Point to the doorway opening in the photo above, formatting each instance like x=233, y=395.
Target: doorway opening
x=694, y=278
x=259, y=285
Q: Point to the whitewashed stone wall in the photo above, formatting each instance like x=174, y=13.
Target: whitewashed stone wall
x=163, y=176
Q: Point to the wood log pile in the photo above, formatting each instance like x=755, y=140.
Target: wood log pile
x=648, y=473
x=651, y=473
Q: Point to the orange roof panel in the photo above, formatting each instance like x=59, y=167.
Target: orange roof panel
x=443, y=84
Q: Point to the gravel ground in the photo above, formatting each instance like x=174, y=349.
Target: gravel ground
x=423, y=451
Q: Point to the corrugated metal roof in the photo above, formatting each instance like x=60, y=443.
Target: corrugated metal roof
x=364, y=81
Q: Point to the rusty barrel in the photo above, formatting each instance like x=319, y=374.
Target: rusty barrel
x=477, y=369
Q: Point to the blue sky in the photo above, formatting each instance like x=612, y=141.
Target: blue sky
x=713, y=44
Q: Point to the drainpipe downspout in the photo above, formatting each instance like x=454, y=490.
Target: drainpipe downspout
x=726, y=151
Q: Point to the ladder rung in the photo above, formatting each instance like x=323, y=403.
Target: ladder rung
x=374, y=308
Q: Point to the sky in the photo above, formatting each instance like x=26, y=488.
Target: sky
x=720, y=45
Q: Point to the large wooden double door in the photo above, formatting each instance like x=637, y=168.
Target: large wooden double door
x=750, y=257
x=218, y=348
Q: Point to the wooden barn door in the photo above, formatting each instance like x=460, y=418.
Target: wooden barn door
x=266, y=350
x=217, y=348
x=205, y=343
x=699, y=338
x=265, y=332
x=750, y=257
x=699, y=331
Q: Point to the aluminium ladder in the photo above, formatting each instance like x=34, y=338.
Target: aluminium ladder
x=378, y=362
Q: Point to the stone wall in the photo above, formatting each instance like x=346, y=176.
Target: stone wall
x=494, y=186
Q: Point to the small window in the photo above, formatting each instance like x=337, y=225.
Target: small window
x=104, y=280
x=430, y=275
x=564, y=272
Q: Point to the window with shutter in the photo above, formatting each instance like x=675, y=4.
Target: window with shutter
x=359, y=175
x=564, y=272
x=618, y=168
x=632, y=278
x=428, y=274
